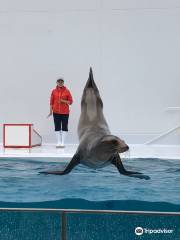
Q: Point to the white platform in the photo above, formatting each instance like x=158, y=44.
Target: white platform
x=50, y=152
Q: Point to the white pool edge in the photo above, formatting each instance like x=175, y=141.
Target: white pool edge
x=49, y=151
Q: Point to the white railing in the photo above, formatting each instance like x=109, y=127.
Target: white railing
x=169, y=131
x=163, y=135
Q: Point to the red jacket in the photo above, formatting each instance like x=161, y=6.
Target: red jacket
x=57, y=94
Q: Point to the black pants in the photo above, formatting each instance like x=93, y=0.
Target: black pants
x=61, y=121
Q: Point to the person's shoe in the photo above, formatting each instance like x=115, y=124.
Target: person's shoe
x=61, y=146
x=58, y=146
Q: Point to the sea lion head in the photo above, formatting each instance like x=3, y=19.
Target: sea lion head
x=114, y=144
x=91, y=94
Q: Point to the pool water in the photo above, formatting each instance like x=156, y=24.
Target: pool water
x=20, y=182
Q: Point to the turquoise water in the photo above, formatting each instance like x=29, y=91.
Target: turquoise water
x=21, y=186
x=20, y=182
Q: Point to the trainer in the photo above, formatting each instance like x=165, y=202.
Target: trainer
x=60, y=100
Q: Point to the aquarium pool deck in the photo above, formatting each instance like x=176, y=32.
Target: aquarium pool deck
x=48, y=151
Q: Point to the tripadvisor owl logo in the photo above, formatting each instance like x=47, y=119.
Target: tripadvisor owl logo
x=139, y=231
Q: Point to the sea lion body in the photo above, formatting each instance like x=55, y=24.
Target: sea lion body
x=89, y=151
x=92, y=128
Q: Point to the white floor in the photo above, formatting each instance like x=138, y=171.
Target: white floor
x=47, y=152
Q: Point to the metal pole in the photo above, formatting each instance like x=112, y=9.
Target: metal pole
x=63, y=226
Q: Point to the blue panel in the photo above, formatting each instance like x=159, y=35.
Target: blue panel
x=29, y=225
x=121, y=227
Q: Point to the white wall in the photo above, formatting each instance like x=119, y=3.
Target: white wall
x=133, y=47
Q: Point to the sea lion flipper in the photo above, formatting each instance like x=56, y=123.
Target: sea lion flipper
x=116, y=161
x=74, y=161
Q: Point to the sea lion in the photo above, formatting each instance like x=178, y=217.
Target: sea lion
x=97, y=146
